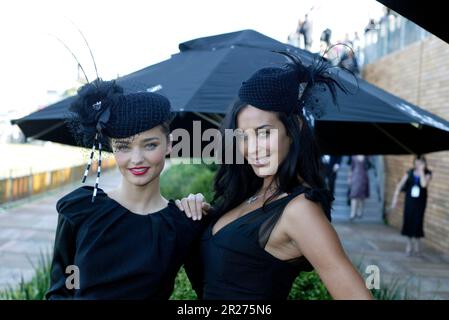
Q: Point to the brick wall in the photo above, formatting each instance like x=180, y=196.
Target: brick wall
x=419, y=74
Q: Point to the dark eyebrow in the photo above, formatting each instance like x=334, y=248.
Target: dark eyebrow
x=127, y=142
x=264, y=126
x=258, y=128
x=123, y=142
x=149, y=139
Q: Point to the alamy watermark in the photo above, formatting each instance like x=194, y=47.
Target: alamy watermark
x=373, y=279
x=257, y=147
x=73, y=280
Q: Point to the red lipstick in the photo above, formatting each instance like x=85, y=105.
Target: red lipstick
x=138, y=171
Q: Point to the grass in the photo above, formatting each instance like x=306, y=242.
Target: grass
x=35, y=288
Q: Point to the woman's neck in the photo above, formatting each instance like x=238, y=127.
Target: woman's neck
x=269, y=180
x=140, y=199
x=267, y=183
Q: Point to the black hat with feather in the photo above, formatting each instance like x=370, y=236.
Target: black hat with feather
x=292, y=87
x=102, y=111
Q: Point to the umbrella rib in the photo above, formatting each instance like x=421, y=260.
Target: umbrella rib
x=57, y=125
x=207, y=118
x=217, y=65
x=394, y=139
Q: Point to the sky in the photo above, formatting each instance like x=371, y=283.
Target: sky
x=126, y=36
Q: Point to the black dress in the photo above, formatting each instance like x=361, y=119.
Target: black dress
x=120, y=254
x=234, y=262
x=414, y=207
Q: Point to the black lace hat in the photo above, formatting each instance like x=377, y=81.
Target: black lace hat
x=102, y=111
x=292, y=87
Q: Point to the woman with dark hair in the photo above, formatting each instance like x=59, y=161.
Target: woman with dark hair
x=131, y=242
x=414, y=183
x=271, y=217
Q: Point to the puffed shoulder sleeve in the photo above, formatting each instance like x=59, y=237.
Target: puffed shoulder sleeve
x=77, y=205
x=72, y=209
x=63, y=256
x=322, y=196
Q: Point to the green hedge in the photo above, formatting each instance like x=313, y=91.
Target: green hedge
x=182, y=179
x=307, y=286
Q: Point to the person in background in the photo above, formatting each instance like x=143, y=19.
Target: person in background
x=305, y=29
x=326, y=37
x=414, y=183
x=349, y=62
x=331, y=166
x=358, y=181
x=358, y=49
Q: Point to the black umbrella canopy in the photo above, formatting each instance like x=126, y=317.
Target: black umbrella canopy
x=370, y=120
x=48, y=123
x=204, y=77
x=207, y=72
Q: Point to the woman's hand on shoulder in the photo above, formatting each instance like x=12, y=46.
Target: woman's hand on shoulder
x=194, y=206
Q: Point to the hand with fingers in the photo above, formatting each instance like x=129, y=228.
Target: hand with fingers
x=394, y=202
x=194, y=206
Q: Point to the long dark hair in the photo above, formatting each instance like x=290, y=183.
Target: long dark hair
x=302, y=164
x=236, y=183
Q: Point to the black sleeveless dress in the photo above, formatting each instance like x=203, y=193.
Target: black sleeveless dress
x=234, y=262
x=414, y=207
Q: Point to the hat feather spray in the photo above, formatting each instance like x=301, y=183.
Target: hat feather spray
x=91, y=111
x=316, y=82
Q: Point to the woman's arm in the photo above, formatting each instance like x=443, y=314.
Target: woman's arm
x=194, y=268
x=424, y=178
x=63, y=253
x=399, y=186
x=312, y=234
